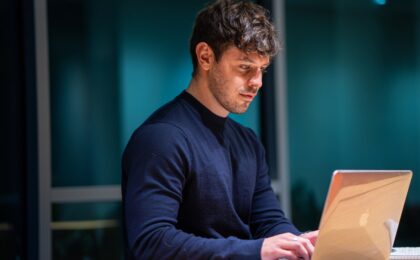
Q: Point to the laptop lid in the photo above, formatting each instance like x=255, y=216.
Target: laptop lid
x=361, y=214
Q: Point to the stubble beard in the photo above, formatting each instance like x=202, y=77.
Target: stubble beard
x=218, y=86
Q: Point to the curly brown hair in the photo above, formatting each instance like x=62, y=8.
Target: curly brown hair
x=239, y=23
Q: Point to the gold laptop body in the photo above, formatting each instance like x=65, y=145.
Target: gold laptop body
x=361, y=214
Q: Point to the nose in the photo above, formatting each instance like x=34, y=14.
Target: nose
x=256, y=80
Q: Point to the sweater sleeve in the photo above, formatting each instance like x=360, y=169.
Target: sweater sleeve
x=154, y=170
x=267, y=218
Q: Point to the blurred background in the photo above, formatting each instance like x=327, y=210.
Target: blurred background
x=78, y=76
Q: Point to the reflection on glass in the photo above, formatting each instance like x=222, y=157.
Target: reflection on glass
x=87, y=231
x=9, y=240
x=84, y=92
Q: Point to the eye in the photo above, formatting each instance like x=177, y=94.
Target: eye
x=264, y=70
x=245, y=67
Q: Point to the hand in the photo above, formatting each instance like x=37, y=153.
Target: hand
x=287, y=246
x=312, y=236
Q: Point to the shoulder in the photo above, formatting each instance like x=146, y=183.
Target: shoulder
x=176, y=113
x=158, y=138
x=163, y=133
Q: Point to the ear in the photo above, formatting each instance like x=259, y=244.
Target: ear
x=205, y=56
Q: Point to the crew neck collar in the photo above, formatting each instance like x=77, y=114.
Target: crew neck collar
x=211, y=120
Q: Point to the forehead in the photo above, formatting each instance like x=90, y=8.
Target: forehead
x=233, y=53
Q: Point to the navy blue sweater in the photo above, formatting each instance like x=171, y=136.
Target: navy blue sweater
x=195, y=186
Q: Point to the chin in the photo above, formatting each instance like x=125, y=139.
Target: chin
x=239, y=111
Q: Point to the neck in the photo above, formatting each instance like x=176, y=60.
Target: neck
x=199, y=89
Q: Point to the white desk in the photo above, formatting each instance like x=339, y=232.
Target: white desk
x=409, y=253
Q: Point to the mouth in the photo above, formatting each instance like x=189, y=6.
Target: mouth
x=247, y=96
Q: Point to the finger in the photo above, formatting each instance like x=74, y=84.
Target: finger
x=312, y=236
x=298, y=246
x=286, y=254
x=308, y=245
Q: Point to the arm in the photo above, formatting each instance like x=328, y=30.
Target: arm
x=282, y=238
x=155, y=169
x=267, y=217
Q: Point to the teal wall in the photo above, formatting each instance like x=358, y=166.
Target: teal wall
x=154, y=61
x=353, y=94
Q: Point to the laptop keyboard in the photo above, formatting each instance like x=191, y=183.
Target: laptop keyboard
x=412, y=253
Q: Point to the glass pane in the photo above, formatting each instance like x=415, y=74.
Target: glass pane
x=353, y=91
x=87, y=231
x=84, y=93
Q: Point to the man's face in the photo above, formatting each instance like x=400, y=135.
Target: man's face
x=236, y=78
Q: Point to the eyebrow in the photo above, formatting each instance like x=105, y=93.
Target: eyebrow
x=247, y=59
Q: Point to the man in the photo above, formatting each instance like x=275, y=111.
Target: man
x=195, y=183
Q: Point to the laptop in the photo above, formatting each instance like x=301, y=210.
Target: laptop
x=361, y=214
